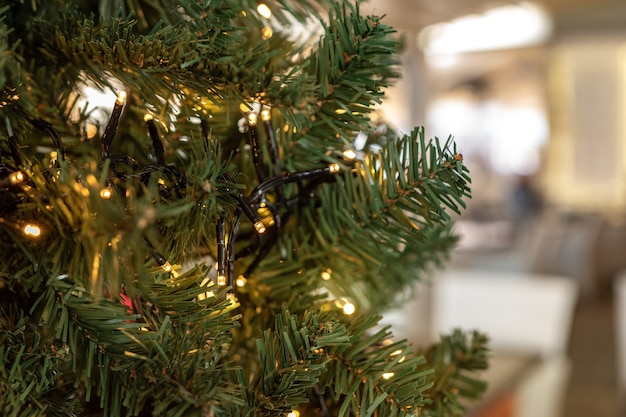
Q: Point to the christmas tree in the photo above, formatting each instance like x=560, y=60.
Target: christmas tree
x=200, y=214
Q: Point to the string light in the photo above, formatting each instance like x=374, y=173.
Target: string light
x=293, y=413
x=349, y=154
x=241, y=281
x=91, y=130
x=121, y=98
x=347, y=307
x=265, y=115
x=260, y=227
x=326, y=274
x=13, y=178
x=266, y=32
x=32, y=230
x=334, y=168
x=264, y=10
x=106, y=193
x=221, y=280
x=388, y=375
x=16, y=177
x=252, y=119
x=111, y=128
x=166, y=267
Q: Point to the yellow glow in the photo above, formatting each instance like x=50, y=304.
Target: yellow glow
x=252, y=119
x=221, y=280
x=106, y=193
x=293, y=413
x=91, y=130
x=244, y=107
x=266, y=32
x=265, y=115
x=388, y=375
x=349, y=154
x=32, y=230
x=53, y=157
x=341, y=111
x=148, y=117
x=121, y=97
x=334, y=168
x=161, y=181
x=16, y=177
x=349, y=309
x=260, y=227
x=241, y=281
x=166, y=266
x=264, y=10
x=326, y=274
x=396, y=353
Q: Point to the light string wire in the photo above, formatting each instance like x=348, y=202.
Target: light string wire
x=226, y=237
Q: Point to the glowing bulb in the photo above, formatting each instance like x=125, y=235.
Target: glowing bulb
x=349, y=154
x=221, y=280
x=293, y=413
x=266, y=32
x=260, y=227
x=341, y=111
x=326, y=274
x=166, y=266
x=106, y=193
x=252, y=119
x=16, y=177
x=388, y=375
x=231, y=297
x=349, y=309
x=241, y=281
x=396, y=353
x=91, y=130
x=121, y=97
x=264, y=10
x=334, y=168
x=148, y=117
x=32, y=230
x=265, y=115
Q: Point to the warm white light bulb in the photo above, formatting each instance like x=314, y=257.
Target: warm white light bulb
x=326, y=274
x=121, y=97
x=241, y=281
x=349, y=154
x=388, y=375
x=264, y=10
x=16, y=177
x=106, y=193
x=252, y=119
x=265, y=115
x=349, y=309
x=221, y=280
x=334, y=168
x=166, y=266
x=266, y=32
x=260, y=227
x=32, y=230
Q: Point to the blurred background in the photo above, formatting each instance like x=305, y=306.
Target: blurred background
x=534, y=94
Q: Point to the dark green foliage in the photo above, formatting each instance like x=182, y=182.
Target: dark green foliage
x=92, y=324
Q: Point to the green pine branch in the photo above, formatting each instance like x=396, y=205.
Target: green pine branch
x=456, y=360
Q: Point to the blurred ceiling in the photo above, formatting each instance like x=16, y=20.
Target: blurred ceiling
x=413, y=15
